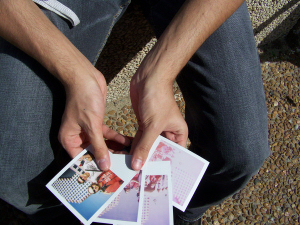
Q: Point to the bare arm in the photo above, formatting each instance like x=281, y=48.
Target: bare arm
x=151, y=87
x=192, y=25
x=24, y=25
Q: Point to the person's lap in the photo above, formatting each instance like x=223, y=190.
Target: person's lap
x=222, y=87
x=32, y=103
x=225, y=106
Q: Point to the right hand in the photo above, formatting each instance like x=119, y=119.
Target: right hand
x=83, y=117
x=85, y=86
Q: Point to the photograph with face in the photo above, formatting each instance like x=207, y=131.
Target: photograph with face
x=85, y=190
x=85, y=187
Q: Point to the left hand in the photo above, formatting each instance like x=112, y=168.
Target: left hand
x=157, y=113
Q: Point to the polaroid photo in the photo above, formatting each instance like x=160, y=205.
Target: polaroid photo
x=187, y=170
x=157, y=204
x=85, y=190
x=126, y=208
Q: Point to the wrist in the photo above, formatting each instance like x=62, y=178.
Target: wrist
x=74, y=69
x=158, y=66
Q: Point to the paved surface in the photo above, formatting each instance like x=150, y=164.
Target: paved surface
x=272, y=196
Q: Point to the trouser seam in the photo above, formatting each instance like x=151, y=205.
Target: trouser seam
x=116, y=16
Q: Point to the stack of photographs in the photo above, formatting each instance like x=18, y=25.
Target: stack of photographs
x=122, y=196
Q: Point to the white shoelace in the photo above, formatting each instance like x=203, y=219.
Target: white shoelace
x=60, y=9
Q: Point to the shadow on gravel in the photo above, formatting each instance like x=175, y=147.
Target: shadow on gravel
x=130, y=34
x=286, y=48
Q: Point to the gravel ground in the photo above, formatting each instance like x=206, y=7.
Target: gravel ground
x=272, y=196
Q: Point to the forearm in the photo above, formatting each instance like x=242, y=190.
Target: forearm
x=192, y=25
x=24, y=25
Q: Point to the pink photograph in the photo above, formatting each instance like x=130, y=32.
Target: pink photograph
x=187, y=170
x=156, y=200
x=157, y=203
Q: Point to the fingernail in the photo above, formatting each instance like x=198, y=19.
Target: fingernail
x=137, y=164
x=103, y=164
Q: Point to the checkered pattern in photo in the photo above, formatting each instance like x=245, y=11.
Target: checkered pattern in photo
x=181, y=189
x=71, y=190
x=146, y=209
x=113, y=204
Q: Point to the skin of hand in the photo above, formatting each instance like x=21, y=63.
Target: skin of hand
x=82, y=121
x=24, y=25
x=151, y=89
x=157, y=113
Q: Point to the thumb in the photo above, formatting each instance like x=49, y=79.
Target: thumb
x=100, y=150
x=141, y=146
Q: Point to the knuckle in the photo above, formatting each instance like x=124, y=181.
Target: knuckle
x=154, y=127
x=93, y=129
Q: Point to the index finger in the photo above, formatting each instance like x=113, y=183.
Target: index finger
x=100, y=150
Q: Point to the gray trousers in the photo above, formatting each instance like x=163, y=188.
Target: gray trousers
x=221, y=84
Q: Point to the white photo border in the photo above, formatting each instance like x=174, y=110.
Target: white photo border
x=161, y=168
x=197, y=181
x=102, y=220
x=123, y=222
x=118, y=166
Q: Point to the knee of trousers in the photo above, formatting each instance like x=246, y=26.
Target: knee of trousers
x=241, y=162
x=235, y=144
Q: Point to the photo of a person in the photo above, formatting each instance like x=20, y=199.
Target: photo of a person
x=87, y=168
x=85, y=187
x=83, y=177
x=107, y=182
x=87, y=163
x=86, y=157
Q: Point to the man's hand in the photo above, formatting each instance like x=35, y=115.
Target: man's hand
x=151, y=87
x=83, y=117
x=24, y=25
x=157, y=113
